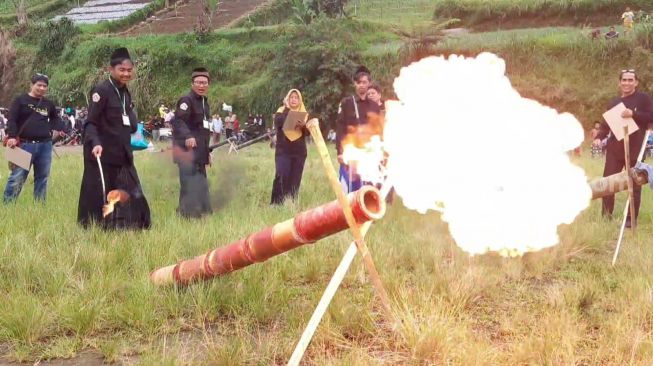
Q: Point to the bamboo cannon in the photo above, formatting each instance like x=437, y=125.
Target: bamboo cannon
x=305, y=228
x=607, y=186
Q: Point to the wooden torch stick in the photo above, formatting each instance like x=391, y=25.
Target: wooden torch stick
x=631, y=200
x=314, y=127
x=623, y=222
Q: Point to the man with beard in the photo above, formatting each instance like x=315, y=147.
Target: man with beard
x=108, y=158
x=191, y=136
x=639, y=106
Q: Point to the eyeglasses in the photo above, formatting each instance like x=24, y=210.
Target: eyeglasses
x=627, y=70
x=201, y=83
x=43, y=75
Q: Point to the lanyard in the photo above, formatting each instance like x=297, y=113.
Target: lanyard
x=203, y=110
x=124, y=98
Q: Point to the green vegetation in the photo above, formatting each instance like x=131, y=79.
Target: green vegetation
x=64, y=290
x=36, y=10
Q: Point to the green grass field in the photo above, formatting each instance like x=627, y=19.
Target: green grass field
x=66, y=291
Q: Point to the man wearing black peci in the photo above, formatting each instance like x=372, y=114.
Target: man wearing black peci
x=191, y=136
x=639, y=106
x=31, y=123
x=107, y=139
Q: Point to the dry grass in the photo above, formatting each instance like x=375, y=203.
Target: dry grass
x=64, y=290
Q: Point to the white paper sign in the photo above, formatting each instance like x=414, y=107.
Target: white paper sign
x=617, y=123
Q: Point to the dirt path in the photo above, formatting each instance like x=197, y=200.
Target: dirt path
x=183, y=16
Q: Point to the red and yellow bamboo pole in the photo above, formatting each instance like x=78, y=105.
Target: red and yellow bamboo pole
x=305, y=228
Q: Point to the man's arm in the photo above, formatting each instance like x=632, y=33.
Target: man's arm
x=180, y=120
x=341, y=127
x=643, y=115
x=12, y=124
x=95, y=111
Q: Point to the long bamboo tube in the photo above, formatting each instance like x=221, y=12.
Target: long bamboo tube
x=616, y=183
x=305, y=228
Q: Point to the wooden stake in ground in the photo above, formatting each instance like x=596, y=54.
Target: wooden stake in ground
x=623, y=222
x=631, y=199
x=327, y=296
x=314, y=127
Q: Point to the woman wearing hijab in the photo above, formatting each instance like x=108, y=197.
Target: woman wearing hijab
x=290, y=153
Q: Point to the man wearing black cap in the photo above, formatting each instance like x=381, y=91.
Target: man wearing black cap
x=353, y=111
x=31, y=123
x=108, y=159
x=639, y=106
x=191, y=135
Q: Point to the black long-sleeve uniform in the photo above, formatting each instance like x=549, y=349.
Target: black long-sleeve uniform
x=351, y=114
x=105, y=125
x=192, y=110
x=642, y=106
x=192, y=120
x=111, y=120
x=41, y=114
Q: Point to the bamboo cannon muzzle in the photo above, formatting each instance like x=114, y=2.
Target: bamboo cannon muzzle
x=616, y=183
x=305, y=228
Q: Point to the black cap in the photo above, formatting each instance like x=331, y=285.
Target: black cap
x=121, y=52
x=200, y=71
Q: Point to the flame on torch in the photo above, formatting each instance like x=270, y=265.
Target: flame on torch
x=114, y=197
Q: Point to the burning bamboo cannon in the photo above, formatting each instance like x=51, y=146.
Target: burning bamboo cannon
x=305, y=228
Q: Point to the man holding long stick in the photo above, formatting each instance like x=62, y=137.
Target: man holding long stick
x=639, y=106
x=108, y=158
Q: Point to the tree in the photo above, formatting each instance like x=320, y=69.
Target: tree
x=305, y=11
x=21, y=11
x=7, y=62
x=419, y=41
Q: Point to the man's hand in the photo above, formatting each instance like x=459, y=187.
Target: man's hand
x=340, y=160
x=627, y=113
x=210, y=159
x=97, y=151
x=11, y=143
x=191, y=143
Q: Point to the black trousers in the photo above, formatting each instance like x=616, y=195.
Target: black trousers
x=194, y=191
x=288, y=176
x=613, y=165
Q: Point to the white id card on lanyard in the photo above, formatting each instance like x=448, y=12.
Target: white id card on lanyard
x=206, y=124
x=125, y=120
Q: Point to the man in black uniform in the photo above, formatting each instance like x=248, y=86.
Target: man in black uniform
x=32, y=121
x=352, y=112
x=639, y=106
x=107, y=135
x=191, y=135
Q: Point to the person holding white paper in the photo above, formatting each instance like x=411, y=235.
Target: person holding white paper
x=290, y=153
x=32, y=121
x=639, y=107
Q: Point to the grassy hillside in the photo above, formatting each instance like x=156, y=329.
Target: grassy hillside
x=252, y=69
